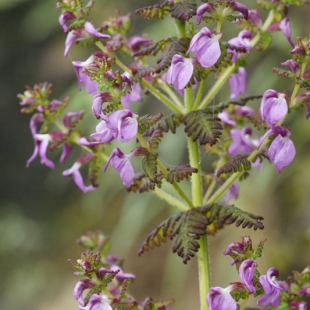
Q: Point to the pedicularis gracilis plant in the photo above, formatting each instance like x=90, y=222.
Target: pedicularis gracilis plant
x=122, y=71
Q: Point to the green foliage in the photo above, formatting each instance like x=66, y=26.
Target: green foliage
x=149, y=164
x=202, y=125
x=256, y=121
x=179, y=46
x=167, y=123
x=188, y=226
x=238, y=163
x=154, y=48
x=259, y=250
x=155, y=139
x=265, y=41
x=147, y=121
x=183, y=10
x=221, y=215
x=180, y=172
x=157, y=10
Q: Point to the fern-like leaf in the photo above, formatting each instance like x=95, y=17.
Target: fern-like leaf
x=155, y=139
x=203, y=126
x=238, y=163
x=220, y=215
x=191, y=226
x=256, y=121
x=183, y=10
x=168, y=123
x=142, y=72
x=176, y=47
x=149, y=164
x=154, y=48
x=259, y=250
x=157, y=10
x=187, y=226
x=180, y=172
x=148, y=121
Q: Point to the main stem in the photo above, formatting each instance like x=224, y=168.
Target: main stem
x=197, y=197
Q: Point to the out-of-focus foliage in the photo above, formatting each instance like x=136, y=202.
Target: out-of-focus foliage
x=42, y=213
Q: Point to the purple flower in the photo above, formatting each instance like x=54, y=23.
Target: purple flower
x=232, y=192
x=63, y=18
x=121, y=125
x=271, y=288
x=255, y=18
x=282, y=151
x=299, y=305
x=235, y=247
x=205, y=45
x=91, y=86
x=205, y=7
x=292, y=64
x=224, y=116
x=273, y=107
x=121, y=162
x=79, y=34
x=136, y=42
x=241, y=141
x=121, y=275
x=133, y=96
x=237, y=83
x=237, y=6
x=97, y=302
x=75, y=173
x=242, y=41
x=79, y=289
x=97, y=103
x=41, y=143
x=286, y=29
x=220, y=299
x=244, y=110
x=180, y=72
x=246, y=272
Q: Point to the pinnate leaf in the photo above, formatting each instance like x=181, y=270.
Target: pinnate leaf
x=180, y=172
x=157, y=10
x=188, y=226
x=202, y=125
x=183, y=10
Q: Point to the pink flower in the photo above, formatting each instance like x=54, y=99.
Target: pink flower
x=271, y=288
x=121, y=125
x=80, y=34
x=273, y=107
x=180, y=72
x=75, y=173
x=246, y=272
x=121, y=162
x=220, y=299
x=205, y=45
x=237, y=83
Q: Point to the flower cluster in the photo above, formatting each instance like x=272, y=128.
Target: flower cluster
x=103, y=278
x=272, y=290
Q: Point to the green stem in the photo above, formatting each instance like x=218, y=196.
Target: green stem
x=165, y=172
x=297, y=86
x=143, y=82
x=197, y=194
x=170, y=199
x=217, y=86
x=166, y=88
x=201, y=87
x=170, y=104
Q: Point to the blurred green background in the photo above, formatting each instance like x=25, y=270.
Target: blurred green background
x=42, y=213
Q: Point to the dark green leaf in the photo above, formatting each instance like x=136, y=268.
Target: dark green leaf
x=157, y=10
x=180, y=172
x=183, y=10
x=202, y=125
